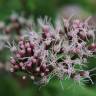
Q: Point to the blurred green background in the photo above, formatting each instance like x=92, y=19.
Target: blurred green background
x=10, y=86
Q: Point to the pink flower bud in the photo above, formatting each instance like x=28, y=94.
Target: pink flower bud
x=22, y=46
x=29, y=50
x=21, y=64
x=13, y=61
x=21, y=42
x=22, y=52
x=18, y=55
x=45, y=28
x=27, y=44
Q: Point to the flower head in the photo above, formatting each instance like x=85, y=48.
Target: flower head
x=55, y=51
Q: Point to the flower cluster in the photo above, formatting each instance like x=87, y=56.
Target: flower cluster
x=60, y=50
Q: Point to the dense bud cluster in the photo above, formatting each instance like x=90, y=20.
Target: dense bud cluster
x=31, y=59
x=60, y=51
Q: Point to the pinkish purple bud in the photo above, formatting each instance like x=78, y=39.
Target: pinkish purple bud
x=45, y=28
x=13, y=61
x=21, y=43
x=29, y=50
x=34, y=60
x=18, y=55
x=27, y=44
x=16, y=66
x=92, y=47
x=22, y=46
x=21, y=64
x=22, y=52
x=29, y=64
